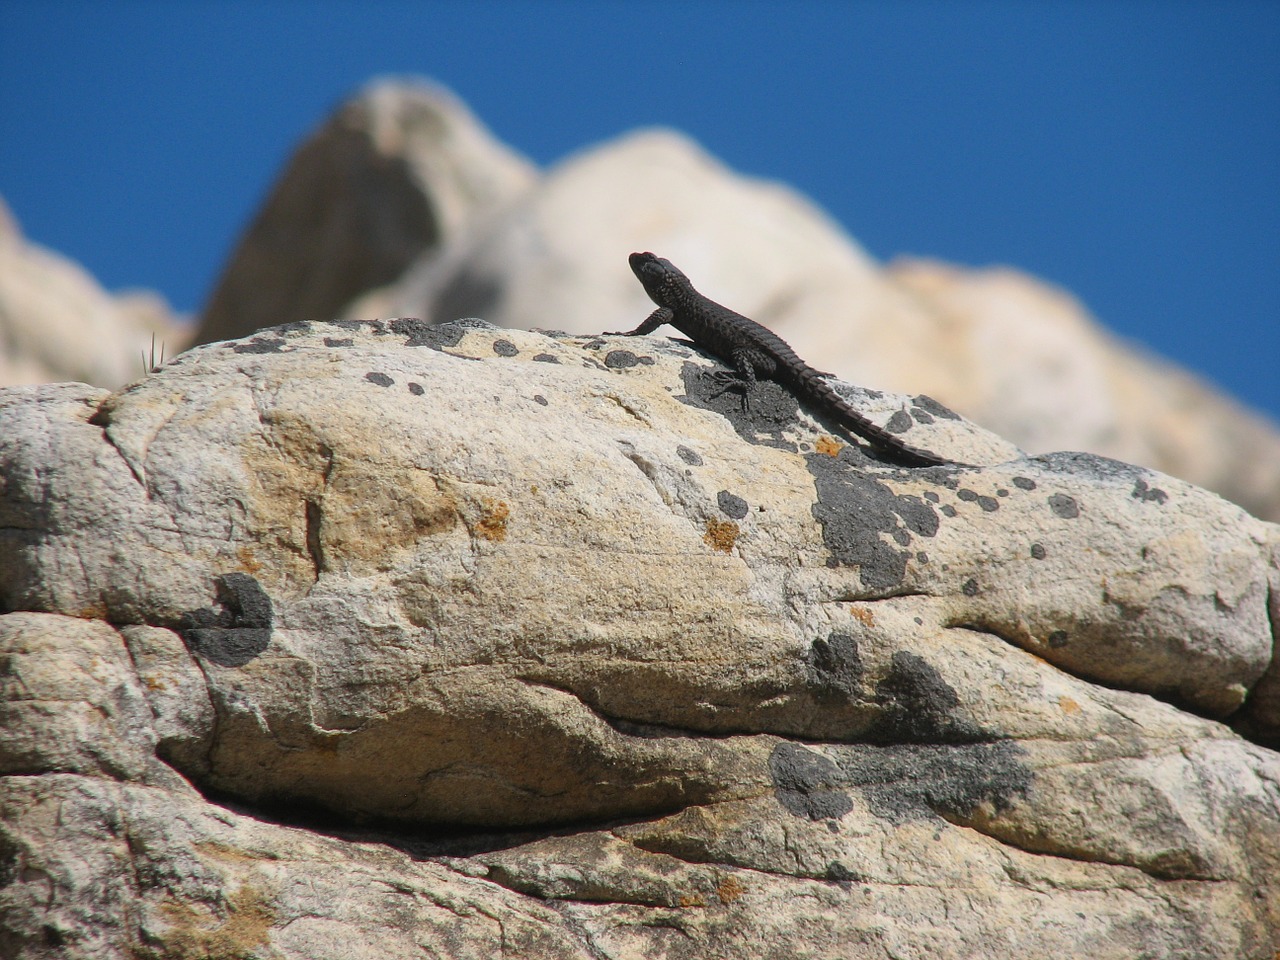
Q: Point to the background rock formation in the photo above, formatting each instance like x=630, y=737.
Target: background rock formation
x=57, y=323
x=375, y=639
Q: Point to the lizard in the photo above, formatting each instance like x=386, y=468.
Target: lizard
x=754, y=350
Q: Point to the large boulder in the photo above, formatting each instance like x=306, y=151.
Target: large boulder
x=375, y=639
x=397, y=171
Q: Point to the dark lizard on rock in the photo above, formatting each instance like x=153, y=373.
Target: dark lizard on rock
x=754, y=351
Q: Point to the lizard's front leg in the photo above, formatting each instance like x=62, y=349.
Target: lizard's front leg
x=652, y=322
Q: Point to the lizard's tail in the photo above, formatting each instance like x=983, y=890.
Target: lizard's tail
x=877, y=435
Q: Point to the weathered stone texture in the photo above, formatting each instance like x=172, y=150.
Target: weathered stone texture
x=384, y=639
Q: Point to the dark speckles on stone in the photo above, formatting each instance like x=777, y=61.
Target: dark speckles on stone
x=416, y=389
x=927, y=402
x=1058, y=639
x=622, y=359
x=1148, y=494
x=505, y=348
x=260, y=345
x=731, y=506
x=909, y=782
x=1024, y=483
x=970, y=588
x=806, y=783
x=900, y=422
x=835, y=669
x=237, y=630
x=381, y=379
x=545, y=358
x=691, y=457
x=1064, y=506
x=339, y=342
x=423, y=334
x=947, y=510
x=1037, y=551
x=540, y=400
x=855, y=511
x=918, y=706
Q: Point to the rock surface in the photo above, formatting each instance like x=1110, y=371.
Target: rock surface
x=1010, y=352
x=382, y=639
x=399, y=170
x=57, y=323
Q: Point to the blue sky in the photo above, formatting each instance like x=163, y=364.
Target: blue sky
x=1129, y=151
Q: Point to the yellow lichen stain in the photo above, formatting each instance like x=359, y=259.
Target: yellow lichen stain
x=248, y=562
x=829, y=445
x=153, y=684
x=493, y=525
x=730, y=889
x=95, y=611
x=863, y=616
x=693, y=900
x=1069, y=706
x=721, y=535
x=234, y=930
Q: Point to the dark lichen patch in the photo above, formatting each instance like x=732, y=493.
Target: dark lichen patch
x=856, y=511
x=1091, y=465
x=926, y=402
x=730, y=505
x=834, y=669
x=1024, y=483
x=921, y=416
x=235, y=631
x=967, y=495
x=931, y=496
x=900, y=422
x=691, y=457
x=1058, y=639
x=381, y=379
x=917, y=706
x=1148, y=494
x=1064, y=506
x=970, y=588
x=419, y=333
x=988, y=504
x=807, y=784
x=540, y=400
x=416, y=389
x=1037, y=551
x=907, y=782
x=1001, y=492
x=505, y=348
x=624, y=359
x=947, y=510
x=545, y=358
x=260, y=345
x=772, y=409
x=839, y=873
x=339, y=342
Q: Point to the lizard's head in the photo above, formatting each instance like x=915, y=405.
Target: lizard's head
x=660, y=278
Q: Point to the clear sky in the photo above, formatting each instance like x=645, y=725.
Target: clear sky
x=1129, y=151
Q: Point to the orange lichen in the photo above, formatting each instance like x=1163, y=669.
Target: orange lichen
x=721, y=535
x=493, y=525
x=829, y=445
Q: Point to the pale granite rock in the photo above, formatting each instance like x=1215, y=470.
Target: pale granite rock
x=475, y=641
x=1009, y=352
x=57, y=323
x=398, y=170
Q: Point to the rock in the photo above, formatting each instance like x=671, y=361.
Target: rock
x=1008, y=351
x=57, y=323
x=399, y=170
x=1047, y=374
x=458, y=640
